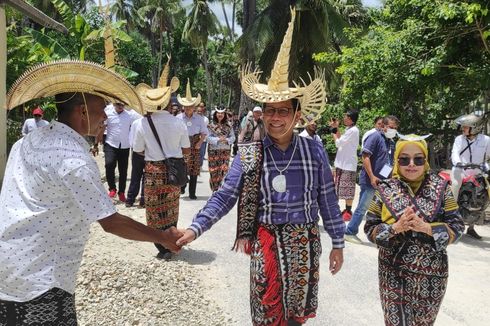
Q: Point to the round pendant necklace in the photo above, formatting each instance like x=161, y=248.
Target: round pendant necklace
x=279, y=181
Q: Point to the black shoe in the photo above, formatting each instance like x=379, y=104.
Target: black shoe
x=472, y=233
x=193, y=197
x=129, y=204
x=182, y=191
x=165, y=255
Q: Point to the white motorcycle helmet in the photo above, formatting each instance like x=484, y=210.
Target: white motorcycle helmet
x=475, y=122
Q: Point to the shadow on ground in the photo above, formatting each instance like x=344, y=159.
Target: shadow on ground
x=196, y=257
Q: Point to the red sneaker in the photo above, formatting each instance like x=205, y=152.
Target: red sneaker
x=346, y=216
x=112, y=193
x=122, y=198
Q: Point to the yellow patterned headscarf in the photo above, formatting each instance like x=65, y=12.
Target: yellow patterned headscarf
x=422, y=144
x=415, y=184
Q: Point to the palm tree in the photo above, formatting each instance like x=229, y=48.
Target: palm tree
x=318, y=28
x=202, y=23
x=123, y=10
x=159, y=17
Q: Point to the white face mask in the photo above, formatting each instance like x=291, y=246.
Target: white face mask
x=390, y=133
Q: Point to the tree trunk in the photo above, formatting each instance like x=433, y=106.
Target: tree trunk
x=3, y=78
x=233, y=18
x=154, y=72
x=209, y=84
x=220, y=90
x=249, y=7
x=226, y=20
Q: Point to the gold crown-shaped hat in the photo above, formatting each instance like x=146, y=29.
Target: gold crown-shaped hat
x=156, y=99
x=312, y=96
x=67, y=76
x=188, y=100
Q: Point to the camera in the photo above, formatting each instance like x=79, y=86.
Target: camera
x=327, y=130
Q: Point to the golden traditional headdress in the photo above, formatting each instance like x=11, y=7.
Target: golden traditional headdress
x=156, y=99
x=311, y=96
x=188, y=100
x=66, y=76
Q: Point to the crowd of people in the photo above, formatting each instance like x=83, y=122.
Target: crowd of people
x=281, y=180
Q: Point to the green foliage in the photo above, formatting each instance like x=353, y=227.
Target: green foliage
x=423, y=61
x=136, y=56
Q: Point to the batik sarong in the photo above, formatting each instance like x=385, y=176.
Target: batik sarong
x=345, y=184
x=161, y=199
x=193, y=160
x=284, y=273
x=54, y=307
x=218, y=160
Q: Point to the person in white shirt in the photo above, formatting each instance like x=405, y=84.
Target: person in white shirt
x=137, y=171
x=52, y=192
x=161, y=198
x=201, y=110
x=34, y=123
x=469, y=147
x=346, y=161
x=310, y=132
x=197, y=130
x=378, y=126
x=116, y=147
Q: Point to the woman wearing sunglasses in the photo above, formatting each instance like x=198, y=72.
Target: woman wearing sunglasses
x=412, y=219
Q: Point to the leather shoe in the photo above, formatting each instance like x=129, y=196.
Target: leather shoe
x=472, y=233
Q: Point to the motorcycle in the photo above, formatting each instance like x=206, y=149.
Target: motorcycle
x=474, y=194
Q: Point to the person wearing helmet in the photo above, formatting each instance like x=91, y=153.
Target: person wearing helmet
x=470, y=147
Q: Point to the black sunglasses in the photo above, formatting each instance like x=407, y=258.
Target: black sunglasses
x=405, y=161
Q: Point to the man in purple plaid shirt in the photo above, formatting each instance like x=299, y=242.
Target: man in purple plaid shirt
x=278, y=219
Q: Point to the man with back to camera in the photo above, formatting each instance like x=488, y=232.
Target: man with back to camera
x=51, y=195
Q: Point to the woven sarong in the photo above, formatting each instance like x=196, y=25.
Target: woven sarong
x=54, y=307
x=193, y=160
x=345, y=184
x=161, y=200
x=408, y=298
x=218, y=160
x=284, y=273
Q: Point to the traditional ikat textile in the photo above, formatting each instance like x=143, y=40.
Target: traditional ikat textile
x=218, y=160
x=161, y=199
x=284, y=273
x=54, y=307
x=345, y=184
x=251, y=156
x=413, y=267
x=193, y=160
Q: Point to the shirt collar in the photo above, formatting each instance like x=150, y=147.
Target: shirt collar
x=268, y=142
x=70, y=133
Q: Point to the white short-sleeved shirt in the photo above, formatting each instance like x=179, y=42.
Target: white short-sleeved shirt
x=32, y=124
x=51, y=193
x=305, y=134
x=477, y=153
x=171, y=131
x=346, y=158
x=118, y=126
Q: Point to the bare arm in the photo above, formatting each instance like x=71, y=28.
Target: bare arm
x=130, y=229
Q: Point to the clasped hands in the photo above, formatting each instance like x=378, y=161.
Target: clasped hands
x=410, y=221
x=174, y=239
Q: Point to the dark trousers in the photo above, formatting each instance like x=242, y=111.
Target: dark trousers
x=137, y=178
x=116, y=157
x=192, y=186
x=202, y=152
x=54, y=307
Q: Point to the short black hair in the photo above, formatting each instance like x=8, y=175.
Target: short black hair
x=389, y=118
x=66, y=102
x=353, y=115
x=377, y=119
x=296, y=104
